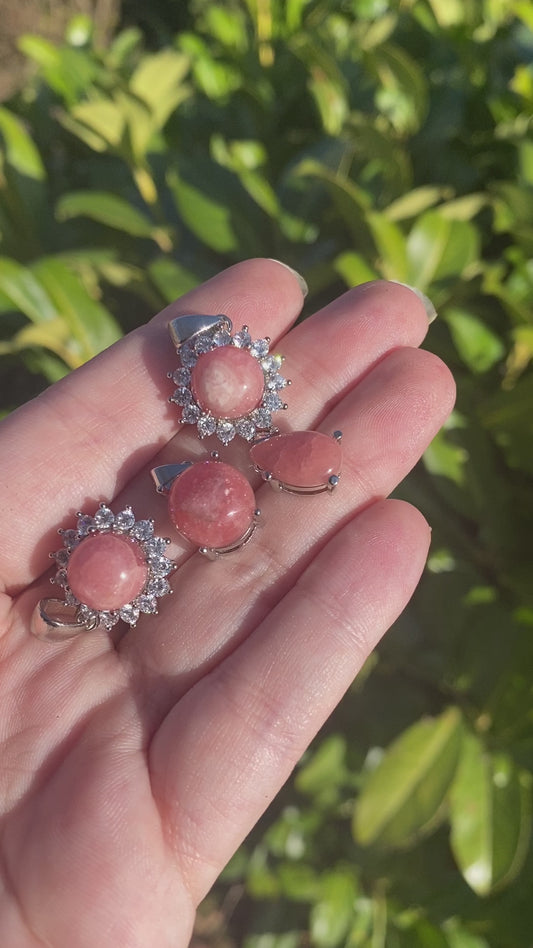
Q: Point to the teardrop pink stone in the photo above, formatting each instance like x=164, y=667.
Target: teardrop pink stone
x=303, y=459
x=107, y=571
x=228, y=382
x=212, y=504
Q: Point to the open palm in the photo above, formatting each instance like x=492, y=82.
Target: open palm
x=134, y=764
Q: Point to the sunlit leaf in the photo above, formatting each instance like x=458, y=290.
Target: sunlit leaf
x=490, y=815
x=415, y=202
x=26, y=292
x=90, y=323
x=20, y=150
x=438, y=247
x=171, y=278
x=333, y=912
x=403, y=796
x=106, y=208
x=353, y=268
x=479, y=347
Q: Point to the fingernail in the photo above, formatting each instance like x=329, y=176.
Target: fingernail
x=303, y=285
x=428, y=305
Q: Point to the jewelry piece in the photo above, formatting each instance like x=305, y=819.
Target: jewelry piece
x=301, y=462
x=111, y=567
x=228, y=385
x=210, y=503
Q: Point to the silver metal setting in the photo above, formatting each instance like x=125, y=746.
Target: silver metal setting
x=278, y=485
x=69, y=616
x=195, y=335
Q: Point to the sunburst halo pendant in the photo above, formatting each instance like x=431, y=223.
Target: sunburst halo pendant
x=112, y=567
x=228, y=385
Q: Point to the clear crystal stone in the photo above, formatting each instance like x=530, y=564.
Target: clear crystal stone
x=242, y=339
x=108, y=619
x=203, y=343
x=181, y=377
x=158, y=586
x=221, y=338
x=160, y=565
x=188, y=355
x=155, y=546
x=62, y=557
x=142, y=530
x=85, y=524
x=60, y=578
x=86, y=614
x=262, y=418
x=70, y=538
x=147, y=604
x=70, y=598
x=225, y=431
x=276, y=382
x=129, y=613
x=124, y=520
x=272, y=362
x=272, y=401
x=259, y=348
x=181, y=396
x=104, y=518
x=206, y=426
x=190, y=414
x=245, y=428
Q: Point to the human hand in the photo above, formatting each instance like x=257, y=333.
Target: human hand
x=134, y=765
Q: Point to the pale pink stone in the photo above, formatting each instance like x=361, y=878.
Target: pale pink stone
x=228, y=382
x=107, y=571
x=304, y=459
x=211, y=504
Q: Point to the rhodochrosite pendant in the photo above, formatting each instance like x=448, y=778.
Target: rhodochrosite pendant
x=301, y=462
x=227, y=385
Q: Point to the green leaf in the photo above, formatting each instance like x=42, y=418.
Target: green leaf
x=26, y=292
x=326, y=768
x=90, y=324
x=21, y=153
x=101, y=117
x=171, y=278
x=479, y=347
x=443, y=458
x=490, y=815
x=391, y=247
x=106, y=208
x=353, y=268
x=415, y=202
x=158, y=81
x=207, y=217
x=439, y=248
x=403, y=796
x=333, y=912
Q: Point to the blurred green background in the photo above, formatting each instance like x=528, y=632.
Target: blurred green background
x=143, y=147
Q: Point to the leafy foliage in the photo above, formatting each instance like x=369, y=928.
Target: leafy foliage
x=372, y=138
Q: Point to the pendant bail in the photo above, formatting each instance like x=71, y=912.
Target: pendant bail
x=183, y=328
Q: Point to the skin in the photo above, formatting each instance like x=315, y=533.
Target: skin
x=134, y=763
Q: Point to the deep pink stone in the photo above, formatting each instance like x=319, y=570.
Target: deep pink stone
x=106, y=571
x=304, y=459
x=211, y=504
x=228, y=382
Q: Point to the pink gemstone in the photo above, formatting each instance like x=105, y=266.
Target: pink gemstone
x=228, y=382
x=301, y=459
x=211, y=504
x=106, y=571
